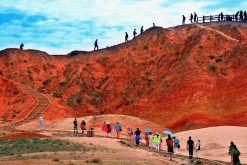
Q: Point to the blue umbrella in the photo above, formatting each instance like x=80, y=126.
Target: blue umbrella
x=168, y=132
x=147, y=130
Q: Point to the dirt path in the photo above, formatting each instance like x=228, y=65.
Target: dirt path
x=219, y=32
x=43, y=103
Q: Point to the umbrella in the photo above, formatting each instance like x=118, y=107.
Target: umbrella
x=168, y=132
x=147, y=130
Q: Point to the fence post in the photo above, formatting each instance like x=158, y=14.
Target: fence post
x=203, y=18
x=210, y=18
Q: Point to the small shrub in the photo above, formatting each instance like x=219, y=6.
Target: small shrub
x=70, y=102
x=218, y=60
x=56, y=160
x=58, y=94
x=103, y=80
x=62, y=83
x=211, y=56
x=30, y=76
x=78, y=100
x=95, y=95
x=145, y=47
x=212, y=66
x=200, y=47
x=134, y=48
x=45, y=82
x=198, y=162
x=16, y=92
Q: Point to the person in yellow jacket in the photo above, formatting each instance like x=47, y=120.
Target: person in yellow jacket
x=157, y=141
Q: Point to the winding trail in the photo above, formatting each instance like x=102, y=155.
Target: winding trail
x=43, y=103
x=219, y=32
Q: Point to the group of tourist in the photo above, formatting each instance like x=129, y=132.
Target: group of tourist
x=240, y=16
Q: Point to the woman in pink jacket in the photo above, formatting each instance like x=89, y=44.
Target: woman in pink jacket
x=104, y=129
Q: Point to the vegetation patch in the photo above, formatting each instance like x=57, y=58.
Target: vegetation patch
x=145, y=47
x=3, y=134
x=57, y=93
x=211, y=56
x=76, y=98
x=102, y=82
x=212, y=66
x=62, y=83
x=23, y=146
x=96, y=161
x=47, y=81
x=218, y=59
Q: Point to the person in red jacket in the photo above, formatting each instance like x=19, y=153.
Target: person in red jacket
x=83, y=127
x=169, y=143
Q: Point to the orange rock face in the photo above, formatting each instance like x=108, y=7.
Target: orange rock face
x=182, y=78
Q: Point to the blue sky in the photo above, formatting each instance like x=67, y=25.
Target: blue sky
x=60, y=26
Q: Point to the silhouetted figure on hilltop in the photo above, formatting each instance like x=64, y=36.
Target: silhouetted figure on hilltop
x=221, y=16
x=241, y=15
x=191, y=18
x=245, y=16
x=134, y=33
x=184, y=18
x=236, y=16
x=153, y=24
x=21, y=46
x=141, y=30
x=126, y=37
x=195, y=17
x=96, y=46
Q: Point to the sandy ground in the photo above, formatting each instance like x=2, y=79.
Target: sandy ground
x=215, y=141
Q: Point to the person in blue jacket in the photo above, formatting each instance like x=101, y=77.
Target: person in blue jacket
x=118, y=130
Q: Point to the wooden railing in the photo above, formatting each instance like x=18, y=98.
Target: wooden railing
x=219, y=18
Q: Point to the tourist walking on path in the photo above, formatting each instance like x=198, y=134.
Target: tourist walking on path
x=134, y=33
x=96, y=46
x=151, y=138
x=190, y=147
x=157, y=141
x=235, y=153
x=118, y=130
x=83, y=127
x=146, y=138
x=198, y=148
x=176, y=145
x=41, y=123
x=109, y=128
x=75, y=126
x=21, y=46
x=183, y=21
x=141, y=31
x=104, y=129
x=195, y=17
x=138, y=136
x=129, y=132
x=126, y=37
x=191, y=18
x=169, y=143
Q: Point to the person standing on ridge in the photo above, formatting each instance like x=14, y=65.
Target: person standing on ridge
x=96, y=46
x=126, y=37
x=153, y=24
x=195, y=17
x=118, y=130
x=141, y=30
x=236, y=16
x=134, y=33
x=184, y=18
x=241, y=15
x=21, y=46
x=190, y=147
x=75, y=127
x=138, y=136
x=41, y=123
x=191, y=18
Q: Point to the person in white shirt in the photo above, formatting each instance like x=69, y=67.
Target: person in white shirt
x=198, y=148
